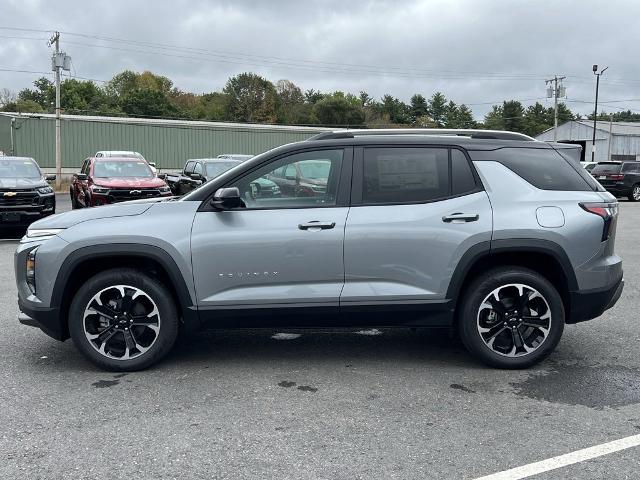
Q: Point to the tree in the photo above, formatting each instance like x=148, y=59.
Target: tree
x=438, y=108
x=44, y=93
x=493, y=120
x=338, y=110
x=252, y=99
x=84, y=97
x=397, y=110
x=312, y=96
x=458, y=116
x=537, y=119
x=291, y=107
x=142, y=102
x=418, y=108
x=512, y=114
x=365, y=98
x=6, y=97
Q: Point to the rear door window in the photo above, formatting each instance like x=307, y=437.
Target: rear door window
x=405, y=175
x=604, y=168
x=462, y=179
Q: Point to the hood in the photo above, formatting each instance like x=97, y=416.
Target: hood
x=69, y=219
x=22, y=183
x=133, y=182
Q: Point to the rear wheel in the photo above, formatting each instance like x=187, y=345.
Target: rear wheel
x=635, y=193
x=511, y=318
x=123, y=320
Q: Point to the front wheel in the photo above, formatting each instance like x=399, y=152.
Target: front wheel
x=635, y=193
x=511, y=318
x=123, y=320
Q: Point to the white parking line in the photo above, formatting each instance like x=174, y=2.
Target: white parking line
x=564, y=460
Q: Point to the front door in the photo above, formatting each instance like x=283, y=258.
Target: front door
x=279, y=249
x=416, y=210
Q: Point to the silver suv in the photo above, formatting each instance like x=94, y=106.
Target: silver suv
x=502, y=237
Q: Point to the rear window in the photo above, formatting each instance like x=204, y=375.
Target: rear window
x=607, y=167
x=544, y=168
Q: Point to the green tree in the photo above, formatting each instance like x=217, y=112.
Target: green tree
x=83, y=97
x=397, y=110
x=44, y=94
x=438, y=108
x=418, y=107
x=458, y=116
x=494, y=119
x=292, y=109
x=142, y=102
x=252, y=99
x=338, y=110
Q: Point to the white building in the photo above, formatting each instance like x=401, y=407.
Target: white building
x=614, y=140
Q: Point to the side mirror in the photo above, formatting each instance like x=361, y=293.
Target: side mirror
x=227, y=198
x=162, y=176
x=50, y=178
x=81, y=176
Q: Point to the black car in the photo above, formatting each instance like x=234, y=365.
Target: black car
x=25, y=195
x=621, y=179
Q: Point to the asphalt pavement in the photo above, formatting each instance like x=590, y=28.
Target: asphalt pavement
x=338, y=404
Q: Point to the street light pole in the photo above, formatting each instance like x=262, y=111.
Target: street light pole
x=595, y=110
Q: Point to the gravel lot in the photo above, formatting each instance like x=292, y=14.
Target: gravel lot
x=390, y=404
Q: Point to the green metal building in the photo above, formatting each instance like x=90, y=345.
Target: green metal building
x=168, y=143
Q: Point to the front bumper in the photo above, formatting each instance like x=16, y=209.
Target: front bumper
x=22, y=214
x=46, y=319
x=586, y=305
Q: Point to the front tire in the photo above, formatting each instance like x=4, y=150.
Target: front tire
x=123, y=320
x=511, y=318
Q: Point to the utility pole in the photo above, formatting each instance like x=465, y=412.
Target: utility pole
x=595, y=110
x=610, y=135
x=557, y=90
x=57, y=65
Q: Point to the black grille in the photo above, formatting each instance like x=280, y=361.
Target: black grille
x=133, y=194
x=15, y=198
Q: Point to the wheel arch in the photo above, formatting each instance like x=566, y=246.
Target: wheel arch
x=88, y=261
x=543, y=256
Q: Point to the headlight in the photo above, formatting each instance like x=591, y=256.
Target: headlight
x=45, y=190
x=164, y=189
x=31, y=270
x=43, y=232
x=99, y=190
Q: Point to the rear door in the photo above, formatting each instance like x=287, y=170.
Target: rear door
x=277, y=251
x=415, y=212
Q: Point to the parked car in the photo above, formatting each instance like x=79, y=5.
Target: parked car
x=621, y=179
x=25, y=195
x=106, y=180
x=588, y=166
x=125, y=154
x=491, y=233
x=307, y=178
x=235, y=156
x=199, y=171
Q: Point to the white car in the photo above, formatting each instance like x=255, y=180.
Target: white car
x=126, y=154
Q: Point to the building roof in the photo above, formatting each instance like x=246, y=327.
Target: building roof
x=171, y=122
x=617, y=128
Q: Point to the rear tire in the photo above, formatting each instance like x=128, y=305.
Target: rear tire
x=635, y=193
x=511, y=317
x=123, y=320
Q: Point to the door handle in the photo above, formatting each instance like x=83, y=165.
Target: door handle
x=459, y=217
x=316, y=225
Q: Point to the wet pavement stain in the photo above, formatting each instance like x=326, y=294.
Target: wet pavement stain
x=594, y=387
x=307, y=388
x=287, y=384
x=105, y=383
x=457, y=386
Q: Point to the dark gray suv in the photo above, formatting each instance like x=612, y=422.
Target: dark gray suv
x=492, y=233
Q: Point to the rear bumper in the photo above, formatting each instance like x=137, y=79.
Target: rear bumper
x=586, y=305
x=618, y=190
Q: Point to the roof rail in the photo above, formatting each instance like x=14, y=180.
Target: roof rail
x=460, y=132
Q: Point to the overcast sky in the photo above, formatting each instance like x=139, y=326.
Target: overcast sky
x=474, y=51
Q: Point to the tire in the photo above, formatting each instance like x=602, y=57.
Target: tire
x=481, y=316
x=634, y=196
x=150, y=321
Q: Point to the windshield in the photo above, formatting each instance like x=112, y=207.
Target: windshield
x=22, y=168
x=122, y=168
x=606, y=167
x=216, y=168
x=315, y=169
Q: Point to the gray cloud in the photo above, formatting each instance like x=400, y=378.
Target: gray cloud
x=473, y=51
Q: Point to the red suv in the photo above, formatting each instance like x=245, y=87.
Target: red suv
x=109, y=180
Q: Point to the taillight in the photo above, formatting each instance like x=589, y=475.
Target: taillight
x=616, y=176
x=607, y=211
